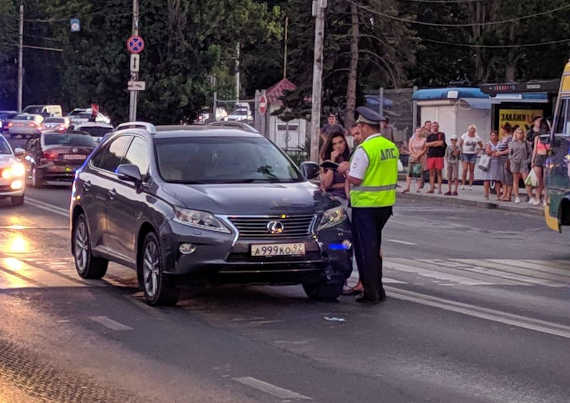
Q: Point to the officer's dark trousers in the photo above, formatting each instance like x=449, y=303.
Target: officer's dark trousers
x=367, y=225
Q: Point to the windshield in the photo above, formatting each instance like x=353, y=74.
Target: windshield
x=55, y=120
x=80, y=140
x=240, y=112
x=4, y=147
x=223, y=160
x=33, y=109
x=24, y=117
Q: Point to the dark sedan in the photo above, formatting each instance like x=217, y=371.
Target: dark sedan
x=216, y=205
x=55, y=156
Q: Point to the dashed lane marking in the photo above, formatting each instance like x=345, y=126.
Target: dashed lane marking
x=271, y=389
x=110, y=323
x=47, y=206
x=401, y=242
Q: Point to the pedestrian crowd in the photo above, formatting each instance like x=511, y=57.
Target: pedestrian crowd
x=519, y=156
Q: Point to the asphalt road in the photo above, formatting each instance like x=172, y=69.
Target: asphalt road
x=478, y=311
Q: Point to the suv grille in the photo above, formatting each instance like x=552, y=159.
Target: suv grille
x=299, y=226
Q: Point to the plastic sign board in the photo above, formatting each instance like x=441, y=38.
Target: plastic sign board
x=135, y=62
x=137, y=85
x=262, y=105
x=75, y=25
x=135, y=44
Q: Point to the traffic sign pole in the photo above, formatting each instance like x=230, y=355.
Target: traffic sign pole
x=134, y=74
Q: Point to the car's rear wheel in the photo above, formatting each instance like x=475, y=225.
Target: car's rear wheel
x=87, y=265
x=158, y=288
x=17, y=200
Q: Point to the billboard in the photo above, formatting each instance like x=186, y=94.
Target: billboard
x=509, y=118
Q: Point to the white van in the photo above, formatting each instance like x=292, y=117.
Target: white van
x=44, y=110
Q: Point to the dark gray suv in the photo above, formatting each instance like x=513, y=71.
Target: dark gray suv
x=214, y=204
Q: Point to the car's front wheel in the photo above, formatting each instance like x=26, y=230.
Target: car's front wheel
x=158, y=288
x=87, y=265
x=324, y=289
x=37, y=179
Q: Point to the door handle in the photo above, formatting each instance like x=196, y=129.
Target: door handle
x=112, y=194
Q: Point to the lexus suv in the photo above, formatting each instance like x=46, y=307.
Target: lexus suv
x=207, y=205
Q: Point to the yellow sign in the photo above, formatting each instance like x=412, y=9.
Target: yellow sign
x=509, y=118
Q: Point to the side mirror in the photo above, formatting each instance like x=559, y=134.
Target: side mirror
x=309, y=169
x=19, y=152
x=129, y=172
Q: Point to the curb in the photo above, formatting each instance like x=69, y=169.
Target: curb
x=454, y=201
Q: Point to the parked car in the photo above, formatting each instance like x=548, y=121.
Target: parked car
x=44, y=110
x=206, y=204
x=60, y=125
x=83, y=115
x=5, y=116
x=25, y=125
x=55, y=156
x=94, y=129
x=12, y=174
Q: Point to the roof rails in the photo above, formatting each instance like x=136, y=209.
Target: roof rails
x=149, y=127
x=234, y=125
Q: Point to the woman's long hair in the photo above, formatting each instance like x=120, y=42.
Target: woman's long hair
x=328, y=147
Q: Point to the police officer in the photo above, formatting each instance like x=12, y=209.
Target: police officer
x=373, y=175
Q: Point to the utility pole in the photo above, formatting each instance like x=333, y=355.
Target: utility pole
x=237, y=73
x=134, y=75
x=319, y=7
x=21, y=57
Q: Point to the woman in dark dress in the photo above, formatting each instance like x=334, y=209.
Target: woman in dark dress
x=335, y=150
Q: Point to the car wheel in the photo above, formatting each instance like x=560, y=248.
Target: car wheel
x=323, y=290
x=17, y=200
x=37, y=179
x=158, y=288
x=87, y=265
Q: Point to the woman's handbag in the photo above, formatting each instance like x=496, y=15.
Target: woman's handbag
x=417, y=170
x=484, y=162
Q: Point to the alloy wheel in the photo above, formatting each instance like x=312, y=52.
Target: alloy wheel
x=151, y=268
x=81, y=246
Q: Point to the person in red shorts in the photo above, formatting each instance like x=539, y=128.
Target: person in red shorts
x=435, y=155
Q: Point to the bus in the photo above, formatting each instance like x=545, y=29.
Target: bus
x=557, y=170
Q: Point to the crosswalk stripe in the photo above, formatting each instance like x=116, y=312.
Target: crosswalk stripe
x=536, y=265
x=519, y=274
x=506, y=278
x=433, y=274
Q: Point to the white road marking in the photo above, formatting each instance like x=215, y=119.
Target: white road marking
x=433, y=273
x=537, y=325
x=401, y=242
x=109, y=323
x=46, y=206
x=268, y=388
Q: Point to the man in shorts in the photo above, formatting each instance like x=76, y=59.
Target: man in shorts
x=435, y=156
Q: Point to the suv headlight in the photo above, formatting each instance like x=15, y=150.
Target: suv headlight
x=199, y=219
x=332, y=217
x=16, y=170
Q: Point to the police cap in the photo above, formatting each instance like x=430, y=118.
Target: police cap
x=368, y=116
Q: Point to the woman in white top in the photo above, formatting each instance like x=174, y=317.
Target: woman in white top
x=468, y=144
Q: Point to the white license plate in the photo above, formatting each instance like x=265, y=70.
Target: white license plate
x=73, y=157
x=279, y=249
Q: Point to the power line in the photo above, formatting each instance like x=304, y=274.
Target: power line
x=474, y=24
x=470, y=45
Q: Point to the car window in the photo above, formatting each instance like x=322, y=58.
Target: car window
x=563, y=118
x=55, y=120
x=4, y=147
x=33, y=109
x=95, y=131
x=69, y=140
x=138, y=155
x=111, y=155
x=24, y=117
x=223, y=160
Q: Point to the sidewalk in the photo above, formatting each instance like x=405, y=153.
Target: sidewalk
x=473, y=197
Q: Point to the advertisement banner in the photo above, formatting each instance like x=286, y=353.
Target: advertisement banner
x=509, y=118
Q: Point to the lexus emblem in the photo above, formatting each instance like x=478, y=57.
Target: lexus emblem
x=275, y=227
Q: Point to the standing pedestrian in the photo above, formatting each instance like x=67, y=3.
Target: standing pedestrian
x=519, y=155
x=425, y=176
x=435, y=155
x=496, y=166
x=386, y=129
x=539, y=154
x=468, y=143
x=452, y=154
x=374, y=176
x=503, y=152
x=418, y=150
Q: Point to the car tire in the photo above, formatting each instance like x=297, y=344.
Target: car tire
x=324, y=289
x=87, y=265
x=17, y=200
x=37, y=179
x=159, y=289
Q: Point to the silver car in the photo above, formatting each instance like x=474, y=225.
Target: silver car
x=12, y=174
x=25, y=125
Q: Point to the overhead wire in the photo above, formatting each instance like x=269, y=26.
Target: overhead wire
x=471, y=45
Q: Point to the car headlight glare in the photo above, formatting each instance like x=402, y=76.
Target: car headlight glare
x=199, y=219
x=332, y=217
x=16, y=170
